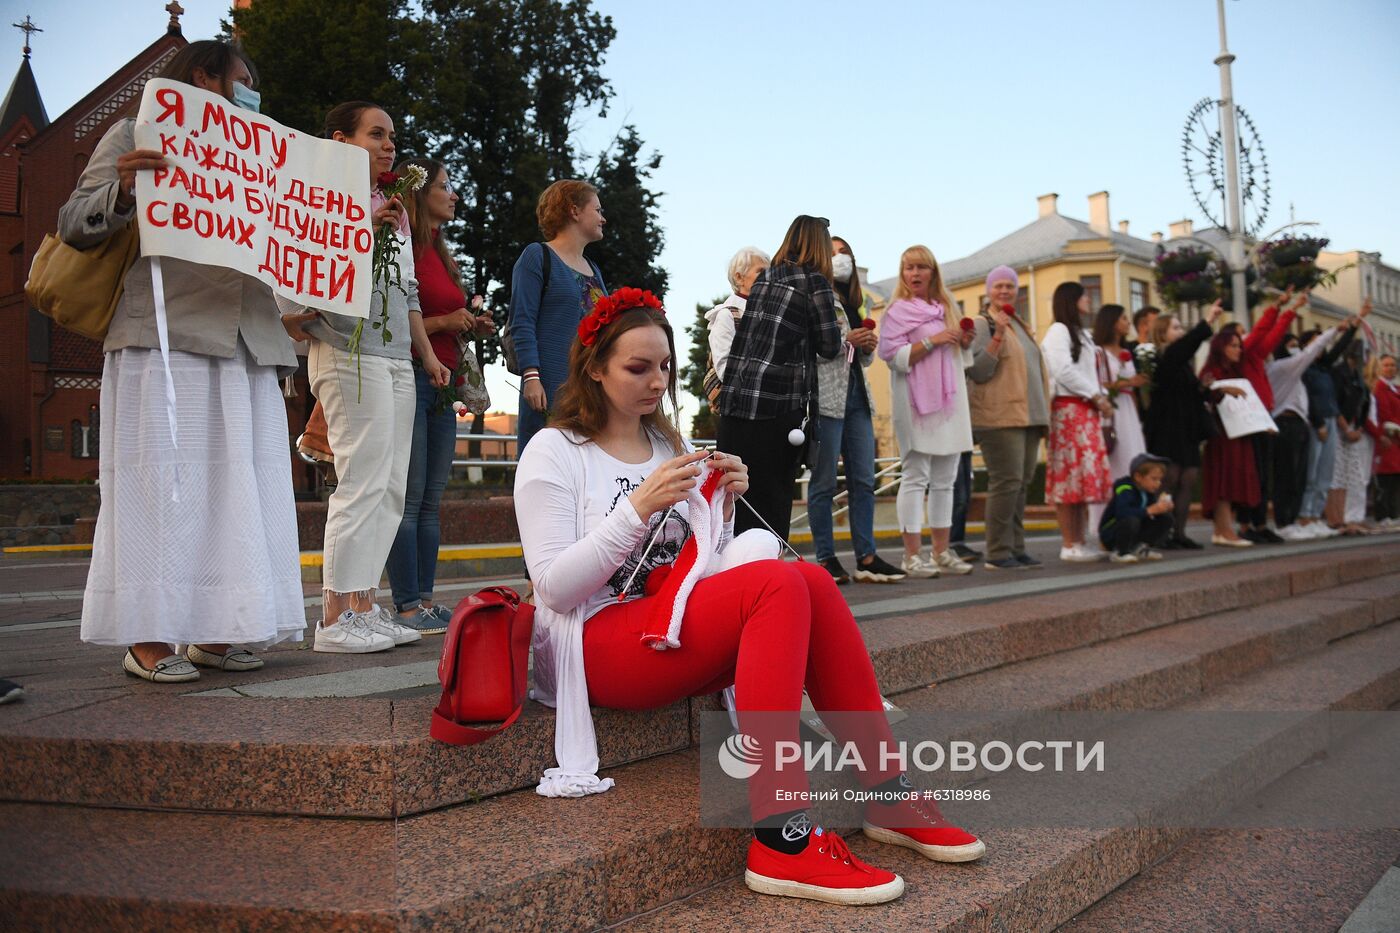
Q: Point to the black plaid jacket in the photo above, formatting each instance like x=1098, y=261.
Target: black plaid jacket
x=790, y=315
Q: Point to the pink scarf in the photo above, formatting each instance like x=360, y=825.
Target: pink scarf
x=932, y=380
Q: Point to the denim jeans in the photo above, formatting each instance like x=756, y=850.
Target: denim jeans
x=853, y=438
x=962, y=498
x=413, y=559
x=1321, y=458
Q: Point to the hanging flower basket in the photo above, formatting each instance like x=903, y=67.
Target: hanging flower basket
x=1292, y=262
x=1289, y=251
x=1200, y=289
x=1182, y=261
x=1186, y=275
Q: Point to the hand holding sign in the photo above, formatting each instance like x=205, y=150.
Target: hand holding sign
x=223, y=186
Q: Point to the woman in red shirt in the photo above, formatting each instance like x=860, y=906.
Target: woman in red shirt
x=1259, y=344
x=1229, y=481
x=1387, y=396
x=413, y=559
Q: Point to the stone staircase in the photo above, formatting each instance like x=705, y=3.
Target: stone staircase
x=167, y=811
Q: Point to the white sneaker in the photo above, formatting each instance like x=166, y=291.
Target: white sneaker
x=351, y=634
x=1294, y=533
x=383, y=622
x=1117, y=558
x=1080, y=554
x=948, y=562
x=915, y=566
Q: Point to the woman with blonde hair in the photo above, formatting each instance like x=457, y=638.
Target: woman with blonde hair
x=604, y=503
x=770, y=377
x=925, y=343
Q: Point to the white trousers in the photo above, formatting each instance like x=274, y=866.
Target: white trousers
x=930, y=475
x=1352, y=472
x=369, y=421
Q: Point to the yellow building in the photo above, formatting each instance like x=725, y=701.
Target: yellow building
x=1113, y=266
x=1362, y=276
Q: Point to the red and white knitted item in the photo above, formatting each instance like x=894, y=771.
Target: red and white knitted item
x=706, y=515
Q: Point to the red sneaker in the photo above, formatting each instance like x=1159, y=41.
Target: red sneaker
x=824, y=871
x=921, y=826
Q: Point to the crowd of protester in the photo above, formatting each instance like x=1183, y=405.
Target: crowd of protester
x=607, y=488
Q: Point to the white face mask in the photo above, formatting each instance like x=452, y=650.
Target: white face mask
x=1294, y=350
x=842, y=267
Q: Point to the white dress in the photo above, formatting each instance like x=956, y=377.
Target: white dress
x=221, y=564
x=1126, y=423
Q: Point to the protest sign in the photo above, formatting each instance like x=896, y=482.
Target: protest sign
x=247, y=193
x=1242, y=416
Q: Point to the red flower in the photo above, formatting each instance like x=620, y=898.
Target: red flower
x=868, y=323
x=387, y=179
x=1124, y=356
x=1009, y=309
x=607, y=308
x=966, y=323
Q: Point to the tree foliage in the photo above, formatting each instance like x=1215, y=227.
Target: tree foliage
x=309, y=61
x=627, y=254
x=692, y=374
x=495, y=89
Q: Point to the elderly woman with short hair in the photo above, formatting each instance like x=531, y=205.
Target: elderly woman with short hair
x=1009, y=396
x=722, y=319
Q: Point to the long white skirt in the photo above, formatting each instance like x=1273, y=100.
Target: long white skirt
x=221, y=565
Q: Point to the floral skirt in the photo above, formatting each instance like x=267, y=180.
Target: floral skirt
x=1076, y=471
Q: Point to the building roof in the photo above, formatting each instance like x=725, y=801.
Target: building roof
x=23, y=100
x=1042, y=240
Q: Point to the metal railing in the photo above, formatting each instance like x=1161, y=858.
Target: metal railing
x=890, y=468
x=504, y=440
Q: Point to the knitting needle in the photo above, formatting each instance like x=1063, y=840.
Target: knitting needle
x=651, y=540
x=781, y=539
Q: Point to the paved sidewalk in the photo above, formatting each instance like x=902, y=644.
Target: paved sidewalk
x=41, y=602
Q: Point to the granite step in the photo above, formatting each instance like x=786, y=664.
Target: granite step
x=270, y=755
x=517, y=861
x=1039, y=879
x=1268, y=877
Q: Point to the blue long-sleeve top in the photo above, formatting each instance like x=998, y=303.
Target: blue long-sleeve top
x=1129, y=501
x=544, y=330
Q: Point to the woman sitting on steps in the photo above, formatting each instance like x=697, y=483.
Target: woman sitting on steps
x=609, y=486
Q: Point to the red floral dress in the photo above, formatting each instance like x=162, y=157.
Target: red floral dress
x=1077, y=470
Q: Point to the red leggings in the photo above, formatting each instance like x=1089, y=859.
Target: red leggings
x=770, y=628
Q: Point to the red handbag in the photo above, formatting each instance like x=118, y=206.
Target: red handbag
x=484, y=667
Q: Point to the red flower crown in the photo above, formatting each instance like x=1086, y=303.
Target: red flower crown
x=607, y=309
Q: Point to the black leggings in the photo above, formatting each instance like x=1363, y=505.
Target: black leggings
x=773, y=465
x=1180, y=482
x=1258, y=515
x=1290, y=468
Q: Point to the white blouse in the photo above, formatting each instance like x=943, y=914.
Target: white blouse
x=1067, y=377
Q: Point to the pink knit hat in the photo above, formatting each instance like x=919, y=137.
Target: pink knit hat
x=1001, y=273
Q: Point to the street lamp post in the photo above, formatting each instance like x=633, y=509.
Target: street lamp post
x=1233, y=206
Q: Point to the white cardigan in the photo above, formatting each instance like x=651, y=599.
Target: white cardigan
x=1067, y=377
x=570, y=566
x=941, y=433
